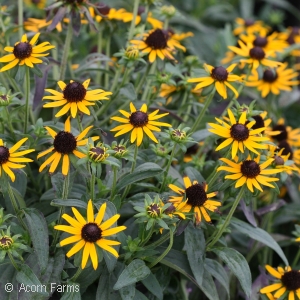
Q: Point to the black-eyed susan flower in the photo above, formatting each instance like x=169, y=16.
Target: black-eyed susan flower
x=34, y=25
x=255, y=56
x=10, y=158
x=197, y=199
x=74, y=97
x=238, y=134
x=287, y=283
x=249, y=26
x=89, y=233
x=156, y=44
x=274, y=81
x=220, y=77
x=64, y=144
x=107, y=13
x=292, y=36
x=270, y=43
x=25, y=52
x=250, y=172
x=287, y=133
x=262, y=122
x=138, y=121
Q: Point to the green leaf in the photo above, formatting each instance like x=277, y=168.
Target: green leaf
x=217, y=271
x=143, y=171
x=103, y=290
x=194, y=242
x=128, y=91
x=68, y=202
x=72, y=292
x=134, y=272
x=208, y=287
x=153, y=286
x=38, y=231
x=200, y=135
x=179, y=262
x=237, y=263
x=260, y=235
x=127, y=292
x=28, y=279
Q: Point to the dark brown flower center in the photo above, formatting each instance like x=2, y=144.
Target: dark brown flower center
x=196, y=195
x=239, y=132
x=119, y=148
x=5, y=242
x=257, y=53
x=91, y=232
x=22, y=50
x=281, y=136
x=103, y=9
x=154, y=209
x=65, y=142
x=249, y=22
x=250, y=168
x=219, y=74
x=286, y=149
x=96, y=152
x=74, y=92
x=259, y=122
x=260, y=41
x=4, y=155
x=269, y=76
x=138, y=119
x=157, y=39
x=74, y=2
x=170, y=209
x=291, y=280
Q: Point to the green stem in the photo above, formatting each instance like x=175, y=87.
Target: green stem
x=99, y=50
x=113, y=188
x=13, y=262
x=107, y=53
x=66, y=52
x=295, y=261
x=11, y=129
x=142, y=80
x=132, y=169
x=168, y=168
x=158, y=242
x=55, y=69
x=65, y=193
x=146, y=14
x=92, y=187
x=79, y=123
x=27, y=96
x=14, y=204
x=132, y=25
x=116, y=79
x=206, y=105
x=165, y=252
x=20, y=18
x=148, y=237
x=148, y=85
x=75, y=276
x=228, y=218
x=166, y=24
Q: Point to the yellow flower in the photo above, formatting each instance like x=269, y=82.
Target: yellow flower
x=274, y=81
x=249, y=26
x=197, y=199
x=270, y=43
x=34, y=25
x=9, y=158
x=155, y=43
x=250, y=172
x=238, y=134
x=139, y=122
x=25, y=52
x=108, y=13
x=89, y=233
x=64, y=144
x=220, y=77
x=287, y=133
x=38, y=3
x=254, y=56
x=74, y=97
x=288, y=280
